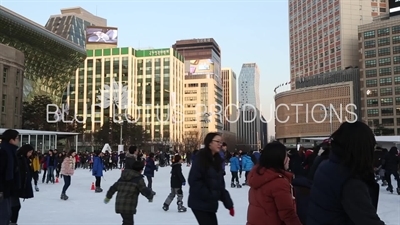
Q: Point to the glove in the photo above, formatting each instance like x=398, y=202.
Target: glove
x=106, y=200
x=232, y=212
x=183, y=184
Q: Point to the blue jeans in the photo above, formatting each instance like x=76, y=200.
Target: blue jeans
x=5, y=211
x=50, y=174
x=67, y=183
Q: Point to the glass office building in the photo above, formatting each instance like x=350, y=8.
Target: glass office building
x=144, y=84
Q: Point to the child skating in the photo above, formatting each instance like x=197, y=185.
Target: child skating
x=177, y=181
x=235, y=167
x=129, y=186
x=98, y=167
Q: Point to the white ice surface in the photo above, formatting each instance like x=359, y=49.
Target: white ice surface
x=86, y=207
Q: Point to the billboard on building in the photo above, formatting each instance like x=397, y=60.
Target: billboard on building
x=101, y=35
x=394, y=7
x=201, y=67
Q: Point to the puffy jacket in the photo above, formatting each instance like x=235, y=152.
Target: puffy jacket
x=234, y=163
x=68, y=166
x=247, y=163
x=271, y=198
x=98, y=166
x=150, y=167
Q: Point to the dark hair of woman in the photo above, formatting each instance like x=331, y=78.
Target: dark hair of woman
x=206, y=158
x=70, y=152
x=272, y=157
x=25, y=149
x=393, y=151
x=354, y=144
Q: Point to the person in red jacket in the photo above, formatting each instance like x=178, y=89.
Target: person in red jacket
x=271, y=196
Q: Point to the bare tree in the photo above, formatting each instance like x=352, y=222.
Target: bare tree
x=192, y=140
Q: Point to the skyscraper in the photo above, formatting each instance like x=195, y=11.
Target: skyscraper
x=203, y=101
x=72, y=22
x=249, y=127
x=249, y=81
x=323, y=34
x=229, y=87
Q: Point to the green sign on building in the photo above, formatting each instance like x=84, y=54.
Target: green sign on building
x=153, y=52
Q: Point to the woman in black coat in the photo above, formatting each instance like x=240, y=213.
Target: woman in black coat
x=25, y=190
x=207, y=185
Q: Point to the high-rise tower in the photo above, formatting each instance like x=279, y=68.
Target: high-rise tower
x=249, y=81
x=229, y=87
x=72, y=22
x=324, y=34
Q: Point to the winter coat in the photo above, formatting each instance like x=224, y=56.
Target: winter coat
x=391, y=161
x=35, y=164
x=129, y=186
x=98, y=166
x=257, y=156
x=177, y=178
x=271, y=198
x=234, y=164
x=222, y=154
x=207, y=187
x=302, y=189
x=9, y=175
x=337, y=198
x=68, y=166
x=129, y=160
x=25, y=191
x=51, y=161
x=317, y=161
x=247, y=163
x=150, y=167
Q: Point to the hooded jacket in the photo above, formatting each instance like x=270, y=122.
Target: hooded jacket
x=271, y=198
x=129, y=160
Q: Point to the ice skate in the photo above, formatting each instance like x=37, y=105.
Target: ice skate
x=398, y=191
x=154, y=193
x=182, y=208
x=384, y=183
x=98, y=190
x=165, y=207
x=389, y=190
x=244, y=184
x=36, y=188
x=238, y=185
x=233, y=185
x=64, y=197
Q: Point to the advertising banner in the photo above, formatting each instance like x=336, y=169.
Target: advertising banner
x=201, y=67
x=102, y=35
x=394, y=7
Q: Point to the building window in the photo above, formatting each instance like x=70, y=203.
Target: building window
x=388, y=122
x=386, y=101
x=386, y=91
x=385, y=71
x=370, y=53
x=385, y=61
x=384, y=41
x=369, y=44
x=387, y=111
x=396, y=39
x=371, y=83
x=397, y=90
x=16, y=105
x=370, y=73
x=5, y=73
x=3, y=103
x=385, y=81
x=17, y=77
x=396, y=29
x=396, y=59
x=397, y=80
x=373, y=112
x=396, y=70
x=369, y=34
x=396, y=49
x=372, y=93
x=382, y=9
x=384, y=51
x=397, y=101
x=370, y=63
x=372, y=102
x=383, y=32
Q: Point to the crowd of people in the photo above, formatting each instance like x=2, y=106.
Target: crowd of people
x=334, y=183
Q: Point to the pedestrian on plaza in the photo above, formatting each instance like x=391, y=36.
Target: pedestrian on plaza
x=9, y=176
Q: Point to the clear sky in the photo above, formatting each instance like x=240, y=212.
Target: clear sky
x=246, y=30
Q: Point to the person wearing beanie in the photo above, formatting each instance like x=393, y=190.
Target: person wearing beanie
x=97, y=171
x=129, y=186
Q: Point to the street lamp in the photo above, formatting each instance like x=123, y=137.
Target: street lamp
x=121, y=122
x=326, y=109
